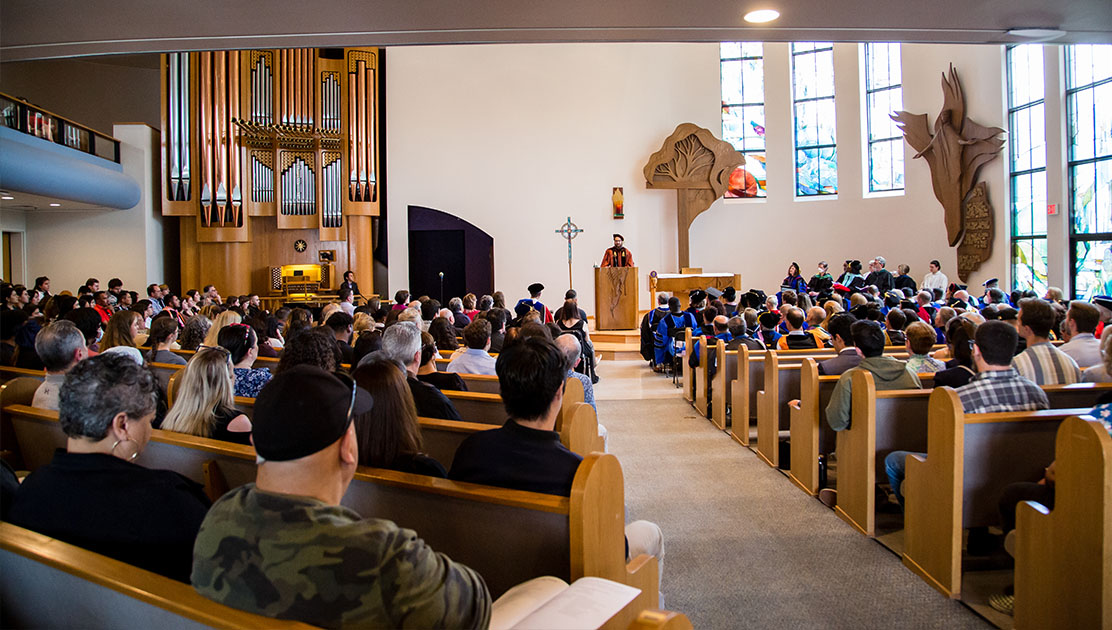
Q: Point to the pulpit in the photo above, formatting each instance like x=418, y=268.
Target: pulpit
x=615, y=298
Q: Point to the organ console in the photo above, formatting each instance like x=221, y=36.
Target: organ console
x=259, y=146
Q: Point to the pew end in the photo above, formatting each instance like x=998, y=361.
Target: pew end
x=1063, y=570
x=15, y=391
x=740, y=400
x=660, y=620
x=101, y=592
x=579, y=432
x=803, y=415
x=725, y=372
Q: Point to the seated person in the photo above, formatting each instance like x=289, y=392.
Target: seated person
x=998, y=387
x=163, y=334
x=920, y=340
x=497, y=318
x=670, y=326
x=739, y=335
x=569, y=345
x=960, y=332
x=525, y=453
x=341, y=325
x=92, y=495
x=243, y=345
x=1081, y=322
x=401, y=343
x=444, y=333
x=428, y=373
x=1100, y=373
x=474, y=359
x=1041, y=362
x=203, y=403
x=285, y=548
x=388, y=434
x=796, y=338
x=312, y=346
x=720, y=332
x=60, y=345
x=816, y=315
x=767, y=333
x=888, y=373
x=894, y=323
x=842, y=340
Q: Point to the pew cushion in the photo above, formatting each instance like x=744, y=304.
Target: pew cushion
x=299, y=558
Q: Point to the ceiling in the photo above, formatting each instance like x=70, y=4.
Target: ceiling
x=39, y=29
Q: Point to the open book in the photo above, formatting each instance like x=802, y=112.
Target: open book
x=548, y=603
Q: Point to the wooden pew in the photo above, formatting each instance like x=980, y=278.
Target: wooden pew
x=261, y=362
x=687, y=379
x=724, y=375
x=7, y=373
x=102, y=592
x=478, y=407
x=16, y=391
x=526, y=534
x=970, y=459
x=810, y=435
x=742, y=400
x=700, y=375
x=886, y=421
x=47, y=583
x=481, y=383
x=1063, y=563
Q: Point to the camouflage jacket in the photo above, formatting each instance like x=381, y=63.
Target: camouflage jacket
x=297, y=558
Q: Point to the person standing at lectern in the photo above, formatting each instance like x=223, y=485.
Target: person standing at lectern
x=618, y=255
x=350, y=283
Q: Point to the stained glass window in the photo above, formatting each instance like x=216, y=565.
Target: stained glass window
x=1089, y=125
x=743, y=115
x=1027, y=162
x=816, y=151
x=883, y=95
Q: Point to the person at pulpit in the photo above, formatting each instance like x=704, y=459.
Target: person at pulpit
x=618, y=255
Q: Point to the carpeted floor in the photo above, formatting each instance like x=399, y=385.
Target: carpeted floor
x=746, y=548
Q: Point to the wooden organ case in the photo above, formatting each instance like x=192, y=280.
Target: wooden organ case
x=264, y=149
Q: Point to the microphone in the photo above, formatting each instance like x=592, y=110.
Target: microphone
x=441, y=275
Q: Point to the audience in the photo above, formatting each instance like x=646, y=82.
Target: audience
x=444, y=333
x=341, y=325
x=960, y=369
x=797, y=338
x=194, y=332
x=841, y=338
x=525, y=453
x=202, y=403
x=888, y=373
x=474, y=359
x=122, y=329
x=347, y=570
x=428, y=373
x=920, y=340
x=1041, y=362
x=388, y=434
x=1083, y=346
x=164, y=332
x=312, y=347
x=225, y=318
x=242, y=345
x=60, y=345
x=92, y=495
x=1101, y=372
x=401, y=343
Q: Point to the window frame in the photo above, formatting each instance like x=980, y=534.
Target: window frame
x=869, y=93
x=762, y=193
x=1071, y=97
x=1015, y=176
x=816, y=47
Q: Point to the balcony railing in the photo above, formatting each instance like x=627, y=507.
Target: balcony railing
x=32, y=120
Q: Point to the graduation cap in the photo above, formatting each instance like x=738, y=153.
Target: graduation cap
x=861, y=311
x=713, y=292
x=697, y=295
x=1103, y=301
x=729, y=293
x=990, y=283
x=768, y=319
x=1007, y=313
x=522, y=308
x=536, y=287
x=620, y=236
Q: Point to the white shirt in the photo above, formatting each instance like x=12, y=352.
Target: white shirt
x=935, y=280
x=472, y=361
x=46, y=396
x=348, y=308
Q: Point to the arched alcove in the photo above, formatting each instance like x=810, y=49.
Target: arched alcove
x=442, y=242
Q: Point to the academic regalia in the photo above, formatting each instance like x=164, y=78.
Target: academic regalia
x=648, y=327
x=617, y=257
x=540, y=308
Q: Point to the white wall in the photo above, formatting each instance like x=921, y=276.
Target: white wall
x=515, y=138
x=70, y=247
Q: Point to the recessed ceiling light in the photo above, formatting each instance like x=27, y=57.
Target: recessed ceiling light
x=1037, y=33
x=7, y=198
x=761, y=16
x=55, y=205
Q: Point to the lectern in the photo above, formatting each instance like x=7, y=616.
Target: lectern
x=615, y=298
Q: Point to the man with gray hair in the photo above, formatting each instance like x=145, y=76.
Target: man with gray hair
x=573, y=353
x=60, y=346
x=879, y=277
x=401, y=343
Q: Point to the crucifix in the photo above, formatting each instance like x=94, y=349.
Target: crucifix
x=569, y=231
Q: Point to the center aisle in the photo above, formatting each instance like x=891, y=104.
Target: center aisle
x=744, y=547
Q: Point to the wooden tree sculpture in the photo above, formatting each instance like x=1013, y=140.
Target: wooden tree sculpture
x=955, y=152
x=698, y=166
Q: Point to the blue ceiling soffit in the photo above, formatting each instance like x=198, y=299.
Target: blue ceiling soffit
x=33, y=165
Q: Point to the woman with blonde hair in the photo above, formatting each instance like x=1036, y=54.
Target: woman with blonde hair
x=227, y=318
x=832, y=308
x=388, y=434
x=362, y=322
x=203, y=405
x=122, y=329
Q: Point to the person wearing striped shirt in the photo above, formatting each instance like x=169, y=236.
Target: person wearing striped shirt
x=1041, y=362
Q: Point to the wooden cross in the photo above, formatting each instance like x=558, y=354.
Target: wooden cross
x=569, y=231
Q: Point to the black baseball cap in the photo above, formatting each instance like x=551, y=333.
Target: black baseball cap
x=304, y=409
